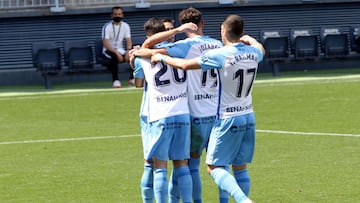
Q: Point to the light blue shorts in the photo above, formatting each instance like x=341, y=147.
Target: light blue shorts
x=145, y=134
x=170, y=138
x=232, y=141
x=200, y=133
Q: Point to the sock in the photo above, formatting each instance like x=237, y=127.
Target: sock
x=147, y=190
x=160, y=184
x=223, y=195
x=228, y=183
x=185, y=183
x=194, y=165
x=174, y=195
x=243, y=179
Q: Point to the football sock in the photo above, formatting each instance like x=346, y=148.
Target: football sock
x=243, y=179
x=194, y=164
x=184, y=183
x=160, y=184
x=147, y=191
x=223, y=195
x=174, y=195
x=228, y=183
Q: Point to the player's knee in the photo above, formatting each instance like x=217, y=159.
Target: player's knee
x=239, y=167
x=179, y=163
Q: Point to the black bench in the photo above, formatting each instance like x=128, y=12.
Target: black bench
x=79, y=58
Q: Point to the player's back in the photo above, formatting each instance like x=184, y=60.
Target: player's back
x=202, y=85
x=166, y=89
x=238, y=70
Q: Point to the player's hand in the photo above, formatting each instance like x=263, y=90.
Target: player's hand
x=132, y=57
x=156, y=58
x=246, y=39
x=187, y=27
x=131, y=51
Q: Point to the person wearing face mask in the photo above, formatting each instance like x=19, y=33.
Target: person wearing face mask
x=114, y=33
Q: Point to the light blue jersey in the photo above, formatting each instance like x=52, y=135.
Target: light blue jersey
x=144, y=108
x=232, y=139
x=168, y=112
x=202, y=85
x=202, y=88
x=237, y=66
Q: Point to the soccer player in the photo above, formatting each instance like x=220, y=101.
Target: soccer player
x=232, y=139
x=169, y=25
x=169, y=129
x=202, y=91
x=151, y=27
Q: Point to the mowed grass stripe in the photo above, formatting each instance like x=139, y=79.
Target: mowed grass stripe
x=84, y=92
x=69, y=92
x=137, y=135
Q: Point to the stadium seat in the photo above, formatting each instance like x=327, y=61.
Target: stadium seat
x=304, y=44
x=99, y=57
x=46, y=57
x=103, y=61
x=334, y=42
x=355, y=38
x=137, y=40
x=276, y=46
x=78, y=55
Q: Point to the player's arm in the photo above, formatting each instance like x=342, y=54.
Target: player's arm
x=139, y=82
x=185, y=64
x=138, y=74
x=163, y=36
x=246, y=39
x=145, y=53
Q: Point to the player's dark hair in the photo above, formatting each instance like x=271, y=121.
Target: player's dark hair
x=168, y=20
x=234, y=25
x=190, y=15
x=153, y=26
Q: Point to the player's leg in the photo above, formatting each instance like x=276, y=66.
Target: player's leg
x=242, y=178
x=182, y=173
x=223, y=195
x=146, y=184
x=174, y=195
x=224, y=143
x=227, y=183
x=158, y=148
x=180, y=152
x=160, y=180
x=194, y=167
x=147, y=189
x=200, y=132
x=245, y=155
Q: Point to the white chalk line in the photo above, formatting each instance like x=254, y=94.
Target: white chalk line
x=307, y=133
x=137, y=135
x=270, y=81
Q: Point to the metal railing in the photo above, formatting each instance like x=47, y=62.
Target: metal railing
x=18, y=4
x=31, y=4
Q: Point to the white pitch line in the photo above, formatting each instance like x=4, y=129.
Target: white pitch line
x=126, y=136
x=270, y=81
x=67, y=139
x=307, y=133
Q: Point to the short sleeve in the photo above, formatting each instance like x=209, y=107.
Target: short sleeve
x=138, y=70
x=213, y=59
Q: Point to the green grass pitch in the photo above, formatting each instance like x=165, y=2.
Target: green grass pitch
x=74, y=144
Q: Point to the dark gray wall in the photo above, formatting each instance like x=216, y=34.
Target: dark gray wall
x=18, y=33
